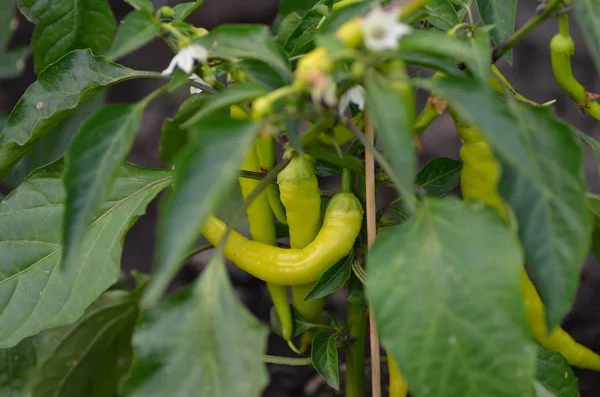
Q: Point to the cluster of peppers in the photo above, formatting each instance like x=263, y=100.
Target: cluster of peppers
x=317, y=244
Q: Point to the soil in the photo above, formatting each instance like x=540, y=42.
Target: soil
x=530, y=73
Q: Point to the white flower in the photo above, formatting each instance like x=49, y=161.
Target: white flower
x=355, y=95
x=197, y=79
x=382, y=30
x=186, y=58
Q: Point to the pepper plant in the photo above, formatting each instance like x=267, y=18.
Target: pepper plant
x=466, y=296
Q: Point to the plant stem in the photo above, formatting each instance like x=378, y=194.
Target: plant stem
x=503, y=48
x=287, y=360
x=169, y=28
x=355, y=352
x=346, y=180
x=198, y=250
x=371, y=231
x=331, y=156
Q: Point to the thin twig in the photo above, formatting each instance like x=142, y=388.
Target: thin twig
x=286, y=360
x=371, y=231
x=524, y=30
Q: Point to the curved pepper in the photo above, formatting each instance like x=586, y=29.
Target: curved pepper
x=341, y=225
x=262, y=228
x=301, y=197
x=479, y=179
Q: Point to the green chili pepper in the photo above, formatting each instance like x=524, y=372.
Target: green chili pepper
x=479, y=178
x=300, y=194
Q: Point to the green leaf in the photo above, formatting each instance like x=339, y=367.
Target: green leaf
x=205, y=171
x=439, y=176
x=12, y=63
x=392, y=116
x=263, y=73
x=92, y=161
x=174, y=136
x=214, y=349
x=594, y=201
x=8, y=23
x=541, y=179
x=67, y=25
x=441, y=14
x=325, y=358
x=587, y=13
x=592, y=142
x=541, y=391
x=35, y=293
x=287, y=27
x=247, y=42
x=503, y=15
x=137, y=29
x=184, y=10
x=305, y=30
x=299, y=6
x=231, y=96
x=332, y=280
x=53, y=97
x=299, y=323
x=53, y=145
x=475, y=53
x=88, y=357
x=142, y=5
x=16, y=366
x=554, y=372
x=445, y=287
x=431, y=62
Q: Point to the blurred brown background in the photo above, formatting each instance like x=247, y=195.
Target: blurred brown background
x=530, y=73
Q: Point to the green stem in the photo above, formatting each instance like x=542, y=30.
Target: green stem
x=198, y=250
x=428, y=114
x=286, y=360
x=563, y=25
x=312, y=133
x=346, y=181
x=332, y=156
x=503, y=48
x=169, y=28
x=355, y=352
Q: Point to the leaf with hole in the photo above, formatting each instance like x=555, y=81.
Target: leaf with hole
x=35, y=292
x=452, y=298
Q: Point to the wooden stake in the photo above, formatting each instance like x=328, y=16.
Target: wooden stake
x=371, y=232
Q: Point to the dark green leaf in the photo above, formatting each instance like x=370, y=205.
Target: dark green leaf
x=247, y=42
x=332, y=280
x=263, y=73
x=342, y=15
x=16, y=366
x=542, y=180
x=12, y=63
x=587, y=13
x=142, y=5
x=431, y=62
x=137, y=29
x=299, y=323
x=299, y=6
x=199, y=343
x=53, y=145
x=475, y=53
x=324, y=169
x=392, y=116
x=292, y=129
x=67, y=25
x=325, y=358
x=441, y=14
x=178, y=79
x=8, y=23
x=445, y=286
x=439, y=176
x=306, y=27
x=174, y=136
x=50, y=100
x=502, y=14
x=231, y=96
x=35, y=293
x=356, y=294
x=594, y=201
x=89, y=357
x=184, y=10
x=206, y=169
x=555, y=373
x=92, y=161
x=287, y=27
